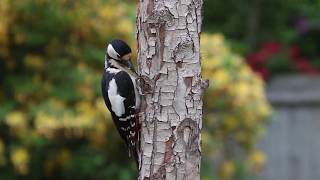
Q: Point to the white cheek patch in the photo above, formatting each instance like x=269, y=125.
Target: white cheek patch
x=116, y=100
x=112, y=53
x=113, y=70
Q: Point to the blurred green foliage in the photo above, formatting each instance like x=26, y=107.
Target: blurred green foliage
x=250, y=23
x=53, y=121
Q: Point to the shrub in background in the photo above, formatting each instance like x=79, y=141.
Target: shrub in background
x=236, y=111
x=53, y=121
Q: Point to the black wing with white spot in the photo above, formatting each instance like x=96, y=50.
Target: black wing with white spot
x=119, y=95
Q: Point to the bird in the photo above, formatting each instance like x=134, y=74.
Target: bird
x=121, y=95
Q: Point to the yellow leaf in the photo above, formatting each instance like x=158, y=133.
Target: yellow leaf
x=20, y=160
x=34, y=61
x=257, y=160
x=2, y=153
x=228, y=169
x=16, y=119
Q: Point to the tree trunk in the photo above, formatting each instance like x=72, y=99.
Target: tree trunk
x=168, y=33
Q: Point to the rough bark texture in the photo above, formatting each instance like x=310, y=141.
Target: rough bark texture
x=168, y=33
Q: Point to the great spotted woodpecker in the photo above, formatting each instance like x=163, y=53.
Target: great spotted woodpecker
x=121, y=95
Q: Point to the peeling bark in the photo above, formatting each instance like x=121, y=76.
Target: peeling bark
x=168, y=33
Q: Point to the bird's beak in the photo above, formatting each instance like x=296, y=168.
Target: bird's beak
x=131, y=67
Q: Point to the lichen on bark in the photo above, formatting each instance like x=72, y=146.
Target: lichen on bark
x=168, y=34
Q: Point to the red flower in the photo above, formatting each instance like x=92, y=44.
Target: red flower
x=294, y=52
x=259, y=58
x=256, y=59
x=263, y=73
x=303, y=64
x=271, y=48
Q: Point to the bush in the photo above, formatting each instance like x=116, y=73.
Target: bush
x=54, y=123
x=236, y=111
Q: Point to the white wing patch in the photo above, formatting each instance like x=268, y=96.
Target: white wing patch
x=137, y=95
x=116, y=100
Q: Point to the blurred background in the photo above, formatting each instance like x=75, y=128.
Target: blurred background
x=262, y=110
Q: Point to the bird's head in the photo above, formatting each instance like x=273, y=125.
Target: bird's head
x=120, y=52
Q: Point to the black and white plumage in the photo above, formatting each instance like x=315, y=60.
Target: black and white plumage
x=120, y=93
